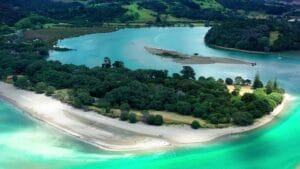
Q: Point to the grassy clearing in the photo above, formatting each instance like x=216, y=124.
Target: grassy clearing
x=243, y=89
x=170, y=118
x=53, y=34
x=143, y=15
x=273, y=37
x=209, y=4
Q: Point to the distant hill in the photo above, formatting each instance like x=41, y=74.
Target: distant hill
x=152, y=11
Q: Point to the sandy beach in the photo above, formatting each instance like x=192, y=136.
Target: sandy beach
x=113, y=134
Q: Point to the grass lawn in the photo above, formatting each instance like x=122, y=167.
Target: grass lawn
x=143, y=15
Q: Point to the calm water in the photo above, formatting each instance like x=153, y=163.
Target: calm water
x=25, y=143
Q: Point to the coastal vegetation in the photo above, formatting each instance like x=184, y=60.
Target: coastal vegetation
x=256, y=35
x=113, y=86
x=93, y=12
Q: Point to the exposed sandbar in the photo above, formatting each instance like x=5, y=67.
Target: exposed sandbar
x=194, y=59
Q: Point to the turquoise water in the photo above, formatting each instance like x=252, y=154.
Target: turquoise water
x=25, y=143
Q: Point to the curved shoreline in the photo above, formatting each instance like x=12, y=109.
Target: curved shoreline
x=112, y=134
x=238, y=50
x=194, y=59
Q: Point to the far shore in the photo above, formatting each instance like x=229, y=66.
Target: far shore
x=113, y=134
x=239, y=50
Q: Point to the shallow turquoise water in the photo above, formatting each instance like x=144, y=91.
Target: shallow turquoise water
x=25, y=143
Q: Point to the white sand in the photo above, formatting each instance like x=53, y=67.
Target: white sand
x=113, y=134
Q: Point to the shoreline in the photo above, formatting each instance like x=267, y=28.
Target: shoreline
x=113, y=134
x=238, y=50
x=194, y=59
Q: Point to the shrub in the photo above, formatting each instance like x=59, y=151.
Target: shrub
x=132, y=118
x=184, y=108
x=195, y=125
x=125, y=107
x=22, y=83
x=242, y=118
x=124, y=115
x=40, y=87
x=156, y=120
x=277, y=97
x=50, y=90
x=228, y=81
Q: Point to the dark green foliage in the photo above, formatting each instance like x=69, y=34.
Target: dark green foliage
x=199, y=110
x=50, y=90
x=118, y=64
x=255, y=35
x=132, y=118
x=124, y=115
x=118, y=87
x=156, y=120
x=257, y=82
x=195, y=125
x=184, y=108
x=40, y=87
x=82, y=97
x=242, y=118
x=188, y=72
x=22, y=83
x=248, y=97
x=269, y=87
x=125, y=107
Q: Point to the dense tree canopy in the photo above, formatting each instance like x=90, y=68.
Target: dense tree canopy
x=256, y=35
x=115, y=86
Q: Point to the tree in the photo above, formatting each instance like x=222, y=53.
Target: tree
x=242, y=118
x=257, y=83
x=184, y=108
x=83, y=96
x=77, y=103
x=238, y=80
x=195, y=125
x=269, y=87
x=248, y=97
x=188, y=72
x=22, y=82
x=50, y=90
x=125, y=107
x=199, y=110
x=40, y=87
x=118, y=64
x=156, y=120
x=228, y=81
x=124, y=116
x=132, y=118
x=106, y=63
x=275, y=84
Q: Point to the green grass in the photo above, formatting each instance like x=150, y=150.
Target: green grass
x=209, y=4
x=273, y=37
x=143, y=15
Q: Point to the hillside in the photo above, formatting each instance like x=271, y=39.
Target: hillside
x=143, y=11
x=256, y=35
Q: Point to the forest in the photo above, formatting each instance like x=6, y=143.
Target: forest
x=112, y=85
x=124, y=11
x=256, y=35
